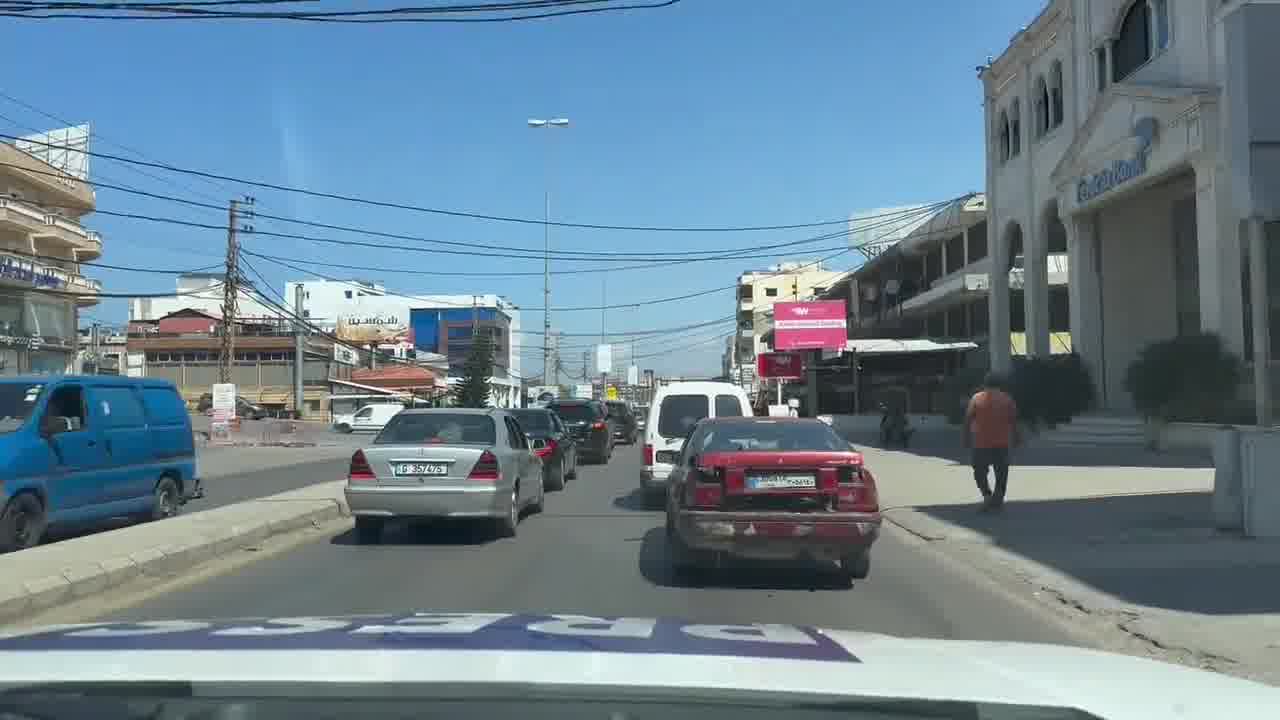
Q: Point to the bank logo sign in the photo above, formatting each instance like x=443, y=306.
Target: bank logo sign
x=1123, y=170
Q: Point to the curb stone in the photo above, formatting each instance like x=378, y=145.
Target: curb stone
x=154, y=550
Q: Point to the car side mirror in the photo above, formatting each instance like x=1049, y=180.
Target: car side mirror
x=693, y=461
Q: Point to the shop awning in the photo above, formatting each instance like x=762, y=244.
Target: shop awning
x=890, y=346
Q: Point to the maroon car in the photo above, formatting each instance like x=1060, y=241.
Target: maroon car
x=771, y=488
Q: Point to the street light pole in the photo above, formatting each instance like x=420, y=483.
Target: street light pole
x=546, y=252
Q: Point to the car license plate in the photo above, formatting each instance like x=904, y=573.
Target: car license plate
x=420, y=469
x=781, y=482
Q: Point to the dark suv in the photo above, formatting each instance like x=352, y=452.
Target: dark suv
x=625, y=426
x=590, y=424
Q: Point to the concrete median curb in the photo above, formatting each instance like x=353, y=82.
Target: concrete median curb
x=49, y=576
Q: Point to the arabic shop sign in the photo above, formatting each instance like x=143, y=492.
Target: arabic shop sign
x=1123, y=170
x=13, y=269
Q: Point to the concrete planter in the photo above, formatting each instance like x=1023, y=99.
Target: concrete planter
x=1183, y=435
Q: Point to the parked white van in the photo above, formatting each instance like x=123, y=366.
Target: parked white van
x=370, y=418
x=674, y=411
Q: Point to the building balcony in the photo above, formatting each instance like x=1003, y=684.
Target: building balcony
x=48, y=230
x=26, y=272
x=746, y=305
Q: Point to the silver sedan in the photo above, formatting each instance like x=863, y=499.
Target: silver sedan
x=447, y=462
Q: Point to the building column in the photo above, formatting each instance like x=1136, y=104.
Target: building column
x=1261, y=302
x=1084, y=291
x=1035, y=288
x=998, y=300
x=1219, y=255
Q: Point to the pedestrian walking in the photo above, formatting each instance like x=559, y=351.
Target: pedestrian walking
x=991, y=429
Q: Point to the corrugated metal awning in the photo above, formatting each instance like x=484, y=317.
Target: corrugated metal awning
x=892, y=346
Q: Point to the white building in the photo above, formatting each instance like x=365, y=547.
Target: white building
x=1140, y=135
x=364, y=312
x=203, y=292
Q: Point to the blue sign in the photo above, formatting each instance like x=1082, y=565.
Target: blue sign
x=13, y=270
x=446, y=631
x=1121, y=171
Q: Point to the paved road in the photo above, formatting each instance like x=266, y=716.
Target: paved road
x=594, y=551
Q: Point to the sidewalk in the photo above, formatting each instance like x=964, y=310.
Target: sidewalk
x=1120, y=539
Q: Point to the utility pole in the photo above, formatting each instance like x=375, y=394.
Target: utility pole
x=230, y=292
x=604, y=300
x=299, y=353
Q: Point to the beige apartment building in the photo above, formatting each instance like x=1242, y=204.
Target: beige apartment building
x=42, y=244
x=758, y=290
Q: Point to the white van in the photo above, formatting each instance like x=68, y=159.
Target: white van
x=370, y=418
x=674, y=410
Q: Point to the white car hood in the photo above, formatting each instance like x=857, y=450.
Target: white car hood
x=579, y=651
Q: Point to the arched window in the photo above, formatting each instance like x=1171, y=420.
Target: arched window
x=1042, y=118
x=1015, y=128
x=1055, y=94
x=1003, y=136
x=1143, y=33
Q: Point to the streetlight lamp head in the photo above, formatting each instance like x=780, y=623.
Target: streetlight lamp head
x=534, y=122
x=560, y=122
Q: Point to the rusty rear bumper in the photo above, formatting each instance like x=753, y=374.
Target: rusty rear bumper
x=778, y=535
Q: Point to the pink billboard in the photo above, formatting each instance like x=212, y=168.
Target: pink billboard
x=817, y=325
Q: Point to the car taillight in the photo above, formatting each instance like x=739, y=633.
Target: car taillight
x=648, y=454
x=359, y=471
x=597, y=425
x=547, y=449
x=857, y=491
x=707, y=488
x=486, y=469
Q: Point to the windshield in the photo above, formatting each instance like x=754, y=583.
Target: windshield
x=575, y=412
x=534, y=420
x=778, y=435
x=679, y=413
x=438, y=428
x=17, y=401
x=383, y=227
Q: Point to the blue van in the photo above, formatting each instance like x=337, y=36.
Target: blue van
x=78, y=450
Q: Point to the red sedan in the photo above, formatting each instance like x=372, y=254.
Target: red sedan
x=771, y=488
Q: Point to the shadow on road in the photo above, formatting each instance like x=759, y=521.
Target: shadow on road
x=638, y=501
x=1151, y=549
x=655, y=566
x=426, y=532
x=947, y=445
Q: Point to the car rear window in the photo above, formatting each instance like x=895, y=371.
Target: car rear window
x=679, y=413
x=728, y=406
x=765, y=434
x=438, y=428
x=575, y=412
x=534, y=420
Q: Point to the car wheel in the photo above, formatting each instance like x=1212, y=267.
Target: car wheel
x=369, y=530
x=856, y=566
x=23, y=523
x=540, y=503
x=166, y=499
x=506, y=525
x=555, y=477
x=685, y=565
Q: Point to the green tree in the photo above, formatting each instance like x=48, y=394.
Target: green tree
x=472, y=391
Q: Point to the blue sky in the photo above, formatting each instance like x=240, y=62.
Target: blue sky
x=711, y=112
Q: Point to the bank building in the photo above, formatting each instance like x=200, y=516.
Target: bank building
x=1143, y=137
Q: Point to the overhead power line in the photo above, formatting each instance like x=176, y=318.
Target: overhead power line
x=440, y=211
x=880, y=218
x=421, y=14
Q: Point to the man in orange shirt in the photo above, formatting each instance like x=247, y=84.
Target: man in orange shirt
x=991, y=424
